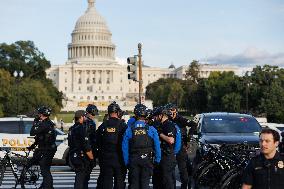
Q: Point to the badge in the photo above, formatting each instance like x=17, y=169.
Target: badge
x=280, y=164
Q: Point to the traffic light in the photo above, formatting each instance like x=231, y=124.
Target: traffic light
x=132, y=68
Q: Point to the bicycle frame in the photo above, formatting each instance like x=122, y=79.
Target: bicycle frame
x=22, y=176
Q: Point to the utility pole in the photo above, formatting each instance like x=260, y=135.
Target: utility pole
x=134, y=70
x=140, y=71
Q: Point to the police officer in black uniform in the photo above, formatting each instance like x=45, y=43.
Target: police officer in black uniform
x=109, y=141
x=44, y=133
x=183, y=161
x=80, y=153
x=266, y=170
x=170, y=138
x=91, y=112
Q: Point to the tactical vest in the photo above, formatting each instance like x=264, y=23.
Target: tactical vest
x=47, y=139
x=141, y=142
x=110, y=137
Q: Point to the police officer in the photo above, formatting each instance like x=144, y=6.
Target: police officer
x=80, y=153
x=109, y=142
x=91, y=112
x=44, y=133
x=183, y=161
x=266, y=170
x=140, y=141
x=170, y=138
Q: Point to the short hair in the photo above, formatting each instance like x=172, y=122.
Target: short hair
x=275, y=134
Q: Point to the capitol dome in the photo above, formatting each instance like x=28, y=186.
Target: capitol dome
x=91, y=39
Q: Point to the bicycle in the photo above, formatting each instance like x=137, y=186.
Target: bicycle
x=18, y=163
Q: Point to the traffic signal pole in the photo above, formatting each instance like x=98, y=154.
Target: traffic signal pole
x=140, y=71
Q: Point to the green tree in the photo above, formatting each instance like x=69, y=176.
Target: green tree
x=192, y=73
x=34, y=88
x=176, y=93
x=5, y=90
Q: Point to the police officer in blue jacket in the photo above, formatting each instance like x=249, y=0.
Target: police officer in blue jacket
x=140, y=144
x=133, y=119
x=170, y=138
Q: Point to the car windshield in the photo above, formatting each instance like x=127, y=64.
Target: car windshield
x=229, y=124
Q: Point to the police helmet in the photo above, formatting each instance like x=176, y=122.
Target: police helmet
x=44, y=110
x=157, y=111
x=140, y=110
x=166, y=111
x=113, y=108
x=92, y=109
x=171, y=106
x=149, y=113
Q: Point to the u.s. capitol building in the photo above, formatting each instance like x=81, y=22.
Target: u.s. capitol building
x=92, y=75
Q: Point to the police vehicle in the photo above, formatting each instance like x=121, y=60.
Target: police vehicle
x=15, y=134
x=219, y=128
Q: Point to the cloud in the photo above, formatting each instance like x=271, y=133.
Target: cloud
x=250, y=57
x=121, y=61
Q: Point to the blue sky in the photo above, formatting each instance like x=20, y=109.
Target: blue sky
x=242, y=32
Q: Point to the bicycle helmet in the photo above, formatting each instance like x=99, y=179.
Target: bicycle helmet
x=44, y=110
x=113, y=108
x=140, y=110
x=92, y=109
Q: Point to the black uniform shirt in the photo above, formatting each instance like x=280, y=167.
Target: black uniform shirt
x=265, y=174
x=80, y=140
x=168, y=129
x=182, y=123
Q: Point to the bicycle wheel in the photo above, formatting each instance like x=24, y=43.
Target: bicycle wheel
x=226, y=177
x=30, y=176
x=2, y=170
x=233, y=182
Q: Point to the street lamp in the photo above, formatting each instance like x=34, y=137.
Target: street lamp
x=247, y=89
x=18, y=75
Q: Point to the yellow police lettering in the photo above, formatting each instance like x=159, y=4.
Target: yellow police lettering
x=17, y=142
x=140, y=132
x=5, y=142
x=111, y=130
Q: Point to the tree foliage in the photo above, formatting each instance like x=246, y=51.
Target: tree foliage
x=261, y=92
x=23, y=95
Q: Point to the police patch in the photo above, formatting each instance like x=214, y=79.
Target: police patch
x=280, y=164
x=111, y=130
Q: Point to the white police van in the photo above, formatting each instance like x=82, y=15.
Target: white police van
x=15, y=134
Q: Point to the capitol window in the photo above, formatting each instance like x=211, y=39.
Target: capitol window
x=65, y=88
x=103, y=97
x=95, y=98
x=74, y=97
x=109, y=97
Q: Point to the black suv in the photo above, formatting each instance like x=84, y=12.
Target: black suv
x=225, y=128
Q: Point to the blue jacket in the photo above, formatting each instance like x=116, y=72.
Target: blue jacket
x=177, y=146
x=152, y=132
x=131, y=121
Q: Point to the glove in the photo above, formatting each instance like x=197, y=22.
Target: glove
x=30, y=148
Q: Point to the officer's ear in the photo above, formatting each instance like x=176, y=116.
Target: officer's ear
x=276, y=143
